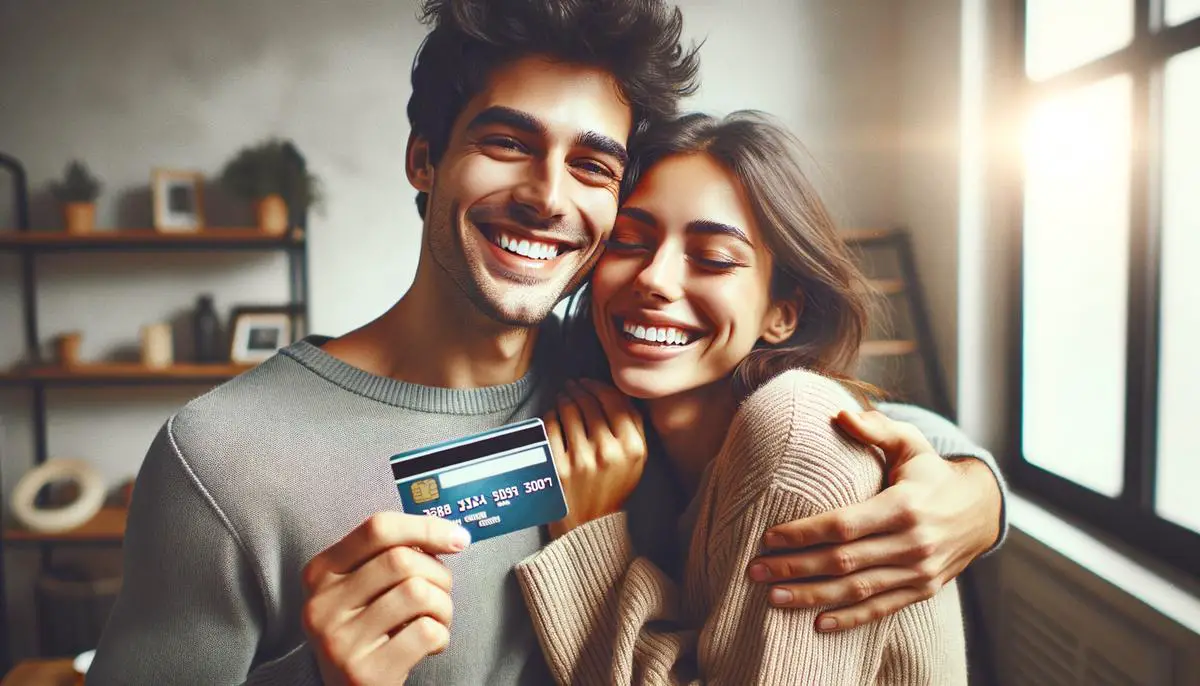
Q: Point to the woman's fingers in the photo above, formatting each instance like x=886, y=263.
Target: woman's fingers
x=618, y=407
x=573, y=429
x=844, y=590
x=554, y=433
x=593, y=414
x=624, y=420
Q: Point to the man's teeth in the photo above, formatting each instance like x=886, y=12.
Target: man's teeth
x=657, y=334
x=526, y=248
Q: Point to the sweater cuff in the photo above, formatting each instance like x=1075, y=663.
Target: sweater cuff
x=297, y=668
x=570, y=590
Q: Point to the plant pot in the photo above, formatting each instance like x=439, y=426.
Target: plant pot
x=80, y=217
x=272, y=215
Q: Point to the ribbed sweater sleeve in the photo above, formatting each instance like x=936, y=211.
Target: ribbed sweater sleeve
x=606, y=616
x=191, y=608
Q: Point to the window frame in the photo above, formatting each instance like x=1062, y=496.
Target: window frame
x=1130, y=517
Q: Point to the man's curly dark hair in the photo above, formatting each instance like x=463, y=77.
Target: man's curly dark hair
x=637, y=41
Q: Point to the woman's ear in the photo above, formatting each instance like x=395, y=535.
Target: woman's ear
x=417, y=164
x=781, y=321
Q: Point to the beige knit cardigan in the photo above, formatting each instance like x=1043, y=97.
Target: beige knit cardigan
x=605, y=615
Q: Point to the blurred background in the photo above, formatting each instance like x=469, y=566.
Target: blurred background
x=186, y=186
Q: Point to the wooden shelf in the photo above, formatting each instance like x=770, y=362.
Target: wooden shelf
x=123, y=373
x=865, y=236
x=108, y=526
x=148, y=239
x=59, y=671
x=888, y=286
x=887, y=348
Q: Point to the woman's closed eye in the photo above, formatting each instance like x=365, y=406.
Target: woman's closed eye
x=718, y=261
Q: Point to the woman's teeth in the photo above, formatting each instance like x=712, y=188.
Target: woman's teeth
x=657, y=334
x=525, y=248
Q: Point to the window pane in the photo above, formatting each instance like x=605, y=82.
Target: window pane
x=1075, y=284
x=1179, y=361
x=1179, y=11
x=1063, y=34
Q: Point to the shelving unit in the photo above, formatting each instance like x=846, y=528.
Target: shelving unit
x=107, y=528
x=905, y=287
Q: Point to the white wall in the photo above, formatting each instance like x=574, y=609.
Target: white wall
x=131, y=84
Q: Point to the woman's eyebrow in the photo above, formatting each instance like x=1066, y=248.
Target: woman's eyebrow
x=706, y=226
x=639, y=215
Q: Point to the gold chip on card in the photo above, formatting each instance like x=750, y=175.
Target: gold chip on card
x=424, y=490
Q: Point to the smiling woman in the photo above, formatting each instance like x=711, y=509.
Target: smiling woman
x=726, y=302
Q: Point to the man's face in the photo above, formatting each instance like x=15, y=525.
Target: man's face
x=527, y=188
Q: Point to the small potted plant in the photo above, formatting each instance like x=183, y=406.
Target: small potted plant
x=77, y=192
x=273, y=176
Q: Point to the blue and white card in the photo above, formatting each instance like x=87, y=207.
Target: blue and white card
x=491, y=483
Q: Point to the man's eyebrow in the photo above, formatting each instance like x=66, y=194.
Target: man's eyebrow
x=523, y=121
x=603, y=144
x=507, y=116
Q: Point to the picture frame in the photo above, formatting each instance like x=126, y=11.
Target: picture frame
x=178, y=200
x=259, y=331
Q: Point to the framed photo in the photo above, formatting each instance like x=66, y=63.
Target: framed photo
x=178, y=200
x=258, y=332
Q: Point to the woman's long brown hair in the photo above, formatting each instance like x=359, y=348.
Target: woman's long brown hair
x=812, y=264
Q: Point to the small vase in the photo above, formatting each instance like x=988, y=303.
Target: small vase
x=80, y=217
x=272, y=214
x=206, y=329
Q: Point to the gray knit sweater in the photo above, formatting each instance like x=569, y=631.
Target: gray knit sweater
x=247, y=483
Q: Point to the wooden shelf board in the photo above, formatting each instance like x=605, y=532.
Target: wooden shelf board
x=862, y=236
x=124, y=372
x=885, y=348
x=107, y=526
x=144, y=238
x=58, y=671
x=888, y=286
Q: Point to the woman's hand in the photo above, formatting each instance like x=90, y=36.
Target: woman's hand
x=599, y=444
x=897, y=548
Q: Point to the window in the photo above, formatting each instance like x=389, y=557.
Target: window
x=1110, y=268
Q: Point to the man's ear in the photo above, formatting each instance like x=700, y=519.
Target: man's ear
x=417, y=163
x=781, y=321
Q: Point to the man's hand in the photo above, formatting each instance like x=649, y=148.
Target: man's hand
x=599, y=443
x=898, y=548
x=377, y=601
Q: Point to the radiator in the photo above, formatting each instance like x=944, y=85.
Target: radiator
x=1057, y=624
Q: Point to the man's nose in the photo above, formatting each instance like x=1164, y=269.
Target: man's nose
x=543, y=191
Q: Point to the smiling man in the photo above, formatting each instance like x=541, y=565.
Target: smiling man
x=263, y=544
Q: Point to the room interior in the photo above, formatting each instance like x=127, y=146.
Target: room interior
x=1017, y=176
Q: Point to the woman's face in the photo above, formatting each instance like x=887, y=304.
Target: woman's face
x=682, y=292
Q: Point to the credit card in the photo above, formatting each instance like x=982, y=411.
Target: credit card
x=491, y=483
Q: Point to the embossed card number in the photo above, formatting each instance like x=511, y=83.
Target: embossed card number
x=492, y=483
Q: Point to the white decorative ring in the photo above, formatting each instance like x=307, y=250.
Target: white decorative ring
x=53, y=520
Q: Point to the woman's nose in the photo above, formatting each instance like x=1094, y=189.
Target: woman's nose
x=661, y=278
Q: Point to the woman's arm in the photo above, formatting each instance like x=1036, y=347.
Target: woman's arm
x=606, y=616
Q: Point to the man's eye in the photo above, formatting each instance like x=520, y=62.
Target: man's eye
x=595, y=168
x=505, y=142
